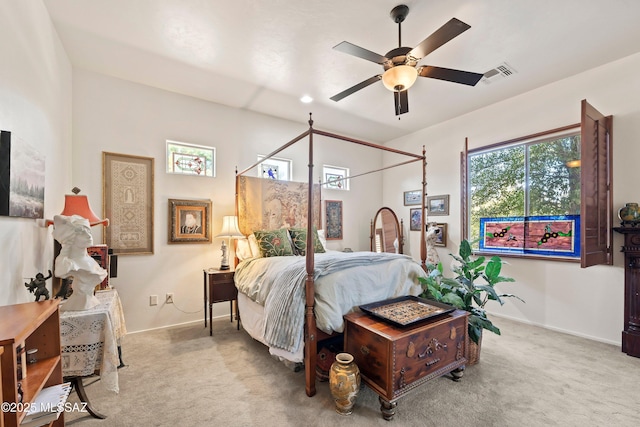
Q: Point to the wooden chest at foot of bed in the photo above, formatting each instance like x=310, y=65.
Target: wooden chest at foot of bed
x=394, y=360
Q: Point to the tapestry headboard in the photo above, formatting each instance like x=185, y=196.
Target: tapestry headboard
x=267, y=204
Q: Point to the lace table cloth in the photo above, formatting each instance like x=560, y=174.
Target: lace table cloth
x=90, y=339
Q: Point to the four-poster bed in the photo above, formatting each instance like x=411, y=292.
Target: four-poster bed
x=312, y=334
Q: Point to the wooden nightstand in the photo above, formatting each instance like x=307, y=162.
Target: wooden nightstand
x=221, y=288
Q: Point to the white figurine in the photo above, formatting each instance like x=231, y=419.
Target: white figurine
x=74, y=234
x=224, y=265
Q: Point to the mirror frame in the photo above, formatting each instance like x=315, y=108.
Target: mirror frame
x=398, y=225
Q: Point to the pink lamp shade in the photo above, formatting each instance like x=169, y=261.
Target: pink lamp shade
x=75, y=204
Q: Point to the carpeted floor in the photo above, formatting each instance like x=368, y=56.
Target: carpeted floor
x=529, y=376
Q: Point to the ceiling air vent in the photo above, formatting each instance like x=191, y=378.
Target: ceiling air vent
x=501, y=71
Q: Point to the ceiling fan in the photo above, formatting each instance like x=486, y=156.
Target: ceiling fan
x=401, y=64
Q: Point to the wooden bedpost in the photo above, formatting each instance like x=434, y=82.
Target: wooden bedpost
x=423, y=228
x=311, y=343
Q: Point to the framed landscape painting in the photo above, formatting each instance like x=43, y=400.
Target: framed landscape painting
x=438, y=205
x=412, y=198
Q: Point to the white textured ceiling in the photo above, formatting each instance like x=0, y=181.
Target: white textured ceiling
x=263, y=55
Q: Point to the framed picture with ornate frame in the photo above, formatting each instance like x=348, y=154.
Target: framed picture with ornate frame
x=438, y=205
x=127, y=192
x=189, y=221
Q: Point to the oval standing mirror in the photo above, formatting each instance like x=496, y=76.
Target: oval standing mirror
x=386, y=232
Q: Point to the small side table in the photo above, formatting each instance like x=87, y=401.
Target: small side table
x=221, y=287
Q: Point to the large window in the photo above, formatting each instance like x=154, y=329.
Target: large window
x=525, y=196
x=545, y=195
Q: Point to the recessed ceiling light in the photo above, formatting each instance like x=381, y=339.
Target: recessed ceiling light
x=306, y=99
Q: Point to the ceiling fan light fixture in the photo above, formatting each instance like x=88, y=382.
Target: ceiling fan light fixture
x=399, y=78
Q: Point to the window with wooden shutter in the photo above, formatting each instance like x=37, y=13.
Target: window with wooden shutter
x=546, y=195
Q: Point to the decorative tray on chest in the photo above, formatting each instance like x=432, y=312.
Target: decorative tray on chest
x=404, y=311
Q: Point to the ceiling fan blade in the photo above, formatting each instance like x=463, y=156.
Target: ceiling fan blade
x=442, y=35
x=360, y=52
x=450, y=75
x=401, y=101
x=356, y=88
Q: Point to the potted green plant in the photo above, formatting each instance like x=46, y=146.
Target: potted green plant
x=465, y=292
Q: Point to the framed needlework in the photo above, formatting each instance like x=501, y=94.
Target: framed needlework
x=127, y=192
x=333, y=219
x=189, y=221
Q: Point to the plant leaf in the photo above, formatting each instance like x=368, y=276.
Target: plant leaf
x=453, y=299
x=465, y=249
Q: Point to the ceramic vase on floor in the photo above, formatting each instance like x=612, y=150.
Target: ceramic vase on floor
x=344, y=383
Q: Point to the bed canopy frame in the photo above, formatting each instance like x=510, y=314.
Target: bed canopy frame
x=311, y=333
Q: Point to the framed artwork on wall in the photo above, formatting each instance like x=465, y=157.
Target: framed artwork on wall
x=189, y=221
x=441, y=237
x=333, y=219
x=127, y=191
x=412, y=198
x=415, y=219
x=22, y=182
x=438, y=205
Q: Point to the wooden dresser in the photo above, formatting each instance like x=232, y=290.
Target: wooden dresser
x=38, y=325
x=395, y=360
x=631, y=249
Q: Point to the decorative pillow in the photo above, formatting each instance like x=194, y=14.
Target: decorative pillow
x=243, y=250
x=274, y=242
x=299, y=239
x=323, y=239
x=255, y=248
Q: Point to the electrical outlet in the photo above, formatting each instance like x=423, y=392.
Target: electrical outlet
x=153, y=300
x=169, y=298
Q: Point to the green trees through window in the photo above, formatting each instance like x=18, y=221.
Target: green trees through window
x=533, y=178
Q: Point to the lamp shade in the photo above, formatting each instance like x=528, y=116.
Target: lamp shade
x=399, y=78
x=79, y=205
x=230, y=227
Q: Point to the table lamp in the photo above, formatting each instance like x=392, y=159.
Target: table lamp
x=229, y=230
x=75, y=204
x=75, y=263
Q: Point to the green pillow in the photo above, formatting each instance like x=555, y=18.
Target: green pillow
x=299, y=239
x=274, y=242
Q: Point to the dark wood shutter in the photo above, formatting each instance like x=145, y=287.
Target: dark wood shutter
x=464, y=194
x=596, y=210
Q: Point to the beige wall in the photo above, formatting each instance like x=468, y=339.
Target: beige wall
x=35, y=105
x=123, y=117
x=558, y=295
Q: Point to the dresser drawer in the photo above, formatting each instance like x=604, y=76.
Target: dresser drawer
x=394, y=360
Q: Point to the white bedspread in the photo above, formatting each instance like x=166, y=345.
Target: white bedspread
x=343, y=281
